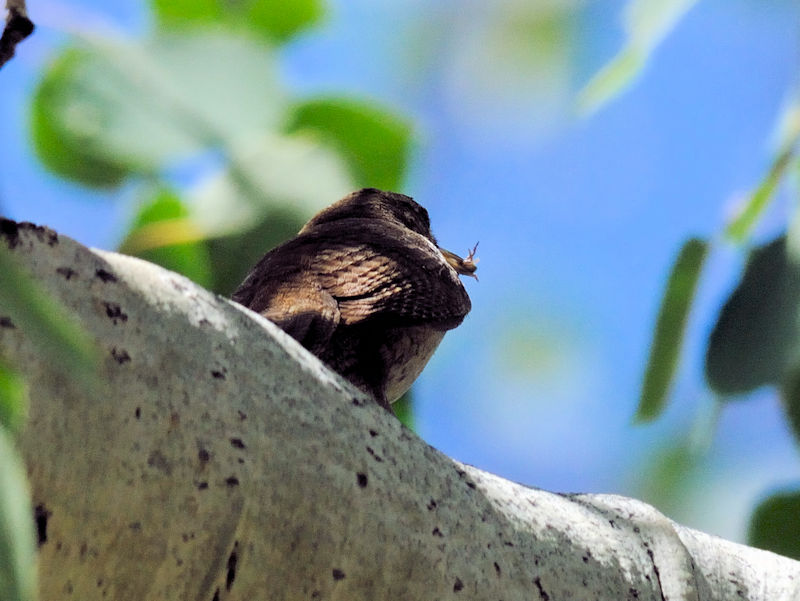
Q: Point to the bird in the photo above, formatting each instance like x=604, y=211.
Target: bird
x=365, y=287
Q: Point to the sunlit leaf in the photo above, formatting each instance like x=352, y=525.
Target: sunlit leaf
x=667, y=475
x=755, y=204
x=13, y=398
x=267, y=173
x=162, y=233
x=136, y=106
x=787, y=136
x=375, y=143
x=66, y=149
x=756, y=335
x=404, y=409
x=17, y=546
x=670, y=328
x=43, y=320
x=270, y=19
x=646, y=23
x=775, y=524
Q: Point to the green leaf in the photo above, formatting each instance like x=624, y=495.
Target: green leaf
x=790, y=395
x=13, y=398
x=268, y=173
x=17, y=546
x=44, y=321
x=375, y=143
x=404, y=409
x=775, y=524
x=646, y=23
x=136, y=106
x=756, y=335
x=233, y=256
x=163, y=234
x=270, y=19
x=670, y=328
x=65, y=148
x=742, y=225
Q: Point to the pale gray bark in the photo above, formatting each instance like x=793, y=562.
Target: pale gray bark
x=217, y=459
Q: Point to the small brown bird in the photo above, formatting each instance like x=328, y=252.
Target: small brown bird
x=365, y=288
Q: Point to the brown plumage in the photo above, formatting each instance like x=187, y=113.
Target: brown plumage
x=365, y=288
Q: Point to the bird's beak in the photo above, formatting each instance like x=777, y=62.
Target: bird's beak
x=462, y=266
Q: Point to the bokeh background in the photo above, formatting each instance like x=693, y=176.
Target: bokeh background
x=579, y=217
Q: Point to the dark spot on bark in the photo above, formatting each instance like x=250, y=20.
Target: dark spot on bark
x=362, y=479
x=358, y=402
x=203, y=455
x=232, y=481
x=316, y=595
x=337, y=574
x=138, y=413
x=612, y=523
x=41, y=515
x=508, y=544
x=242, y=415
x=67, y=272
x=636, y=529
x=497, y=568
x=634, y=593
x=542, y=593
x=202, y=485
x=471, y=485
x=233, y=558
x=431, y=505
x=135, y=526
x=114, y=312
x=373, y=433
x=374, y=456
x=219, y=375
x=10, y=231
x=204, y=322
x=240, y=460
x=120, y=355
x=437, y=532
x=458, y=585
x=216, y=596
x=237, y=443
x=105, y=276
x=158, y=460
x=5, y=322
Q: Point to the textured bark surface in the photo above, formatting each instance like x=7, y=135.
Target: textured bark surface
x=217, y=459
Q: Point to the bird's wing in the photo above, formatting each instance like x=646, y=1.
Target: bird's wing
x=379, y=271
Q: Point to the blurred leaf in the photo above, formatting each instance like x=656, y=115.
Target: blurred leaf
x=404, y=409
x=13, y=398
x=646, y=23
x=17, y=546
x=65, y=149
x=268, y=172
x=670, y=328
x=163, y=234
x=790, y=395
x=756, y=334
x=741, y=226
x=375, y=143
x=775, y=524
x=787, y=135
x=233, y=256
x=44, y=321
x=271, y=19
x=135, y=106
x=668, y=475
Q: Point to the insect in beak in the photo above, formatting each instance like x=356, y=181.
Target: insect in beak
x=466, y=266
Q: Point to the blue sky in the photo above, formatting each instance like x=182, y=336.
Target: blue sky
x=578, y=221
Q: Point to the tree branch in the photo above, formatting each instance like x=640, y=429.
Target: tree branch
x=219, y=460
x=18, y=27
